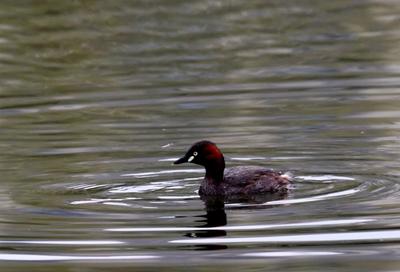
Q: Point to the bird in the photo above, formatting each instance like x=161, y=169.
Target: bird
x=239, y=181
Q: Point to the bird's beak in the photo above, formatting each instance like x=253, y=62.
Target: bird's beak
x=181, y=160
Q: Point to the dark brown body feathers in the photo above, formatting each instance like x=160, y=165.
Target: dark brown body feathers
x=235, y=181
x=246, y=180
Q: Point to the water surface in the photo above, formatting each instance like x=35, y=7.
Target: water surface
x=98, y=98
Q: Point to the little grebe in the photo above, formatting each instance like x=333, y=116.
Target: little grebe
x=240, y=180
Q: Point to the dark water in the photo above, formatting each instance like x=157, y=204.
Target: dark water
x=98, y=97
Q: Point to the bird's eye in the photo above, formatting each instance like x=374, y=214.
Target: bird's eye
x=195, y=153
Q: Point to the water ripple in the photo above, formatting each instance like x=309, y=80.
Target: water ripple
x=43, y=257
x=337, y=237
x=97, y=101
x=305, y=225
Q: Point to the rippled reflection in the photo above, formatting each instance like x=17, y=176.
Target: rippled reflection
x=98, y=98
x=350, y=237
x=37, y=257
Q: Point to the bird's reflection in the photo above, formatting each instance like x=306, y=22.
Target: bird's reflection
x=216, y=216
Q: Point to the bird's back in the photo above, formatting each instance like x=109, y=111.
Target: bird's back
x=254, y=180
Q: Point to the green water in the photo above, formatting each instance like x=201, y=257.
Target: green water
x=97, y=98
